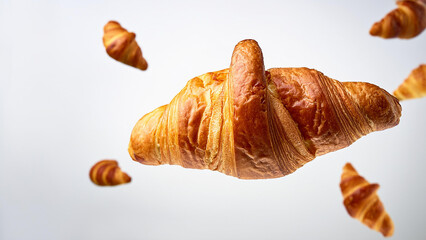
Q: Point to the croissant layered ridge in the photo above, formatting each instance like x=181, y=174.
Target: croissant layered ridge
x=254, y=124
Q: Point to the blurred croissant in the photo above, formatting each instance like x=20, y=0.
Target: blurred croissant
x=362, y=202
x=122, y=46
x=250, y=123
x=414, y=86
x=108, y=173
x=406, y=21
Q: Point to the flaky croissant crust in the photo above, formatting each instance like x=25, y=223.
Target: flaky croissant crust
x=251, y=123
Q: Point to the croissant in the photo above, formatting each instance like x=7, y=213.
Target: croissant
x=414, y=86
x=361, y=201
x=406, y=21
x=252, y=124
x=122, y=46
x=108, y=173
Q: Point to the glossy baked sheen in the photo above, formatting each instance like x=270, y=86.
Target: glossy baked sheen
x=250, y=123
x=414, y=86
x=362, y=202
x=406, y=21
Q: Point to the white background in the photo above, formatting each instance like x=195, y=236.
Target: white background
x=64, y=105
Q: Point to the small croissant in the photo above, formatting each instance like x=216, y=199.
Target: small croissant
x=406, y=21
x=108, y=173
x=255, y=124
x=362, y=202
x=414, y=86
x=122, y=46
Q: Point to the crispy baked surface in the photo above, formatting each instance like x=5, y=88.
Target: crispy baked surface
x=250, y=123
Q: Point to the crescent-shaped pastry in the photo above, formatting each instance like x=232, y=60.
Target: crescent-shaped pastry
x=108, y=173
x=122, y=46
x=250, y=123
x=414, y=86
x=362, y=202
x=406, y=21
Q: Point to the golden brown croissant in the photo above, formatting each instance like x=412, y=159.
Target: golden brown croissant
x=122, y=46
x=406, y=21
x=362, y=202
x=108, y=173
x=250, y=123
x=414, y=86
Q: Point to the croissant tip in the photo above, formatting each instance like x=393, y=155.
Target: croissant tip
x=144, y=65
x=387, y=229
x=113, y=22
x=387, y=234
x=126, y=178
x=375, y=30
x=248, y=41
x=348, y=167
x=348, y=164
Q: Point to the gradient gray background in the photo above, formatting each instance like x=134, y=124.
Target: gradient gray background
x=64, y=105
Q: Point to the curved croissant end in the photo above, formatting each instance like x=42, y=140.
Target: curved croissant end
x=250, y=123
x=108, y=173
x=122, y=46
x=414, y=86
x=362, y=202
x=406, y=21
